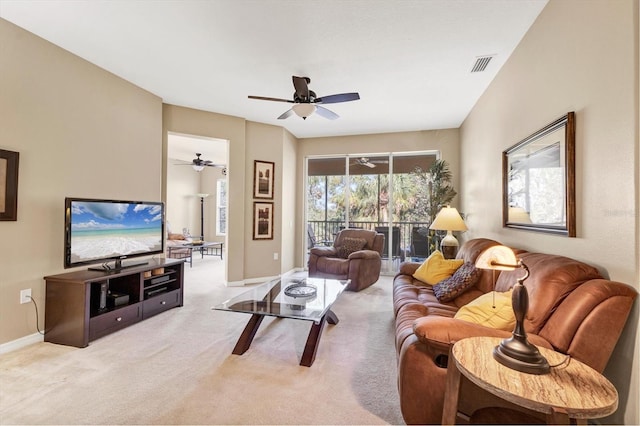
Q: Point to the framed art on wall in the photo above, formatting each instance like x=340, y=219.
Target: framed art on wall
x=262, y=220
x=263, y=178
x=9, y=185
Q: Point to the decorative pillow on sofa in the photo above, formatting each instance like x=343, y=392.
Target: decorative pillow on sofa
x=436, y=268
x=485, y=311
x=463, y=279
x=350, y=245
x=176, y=237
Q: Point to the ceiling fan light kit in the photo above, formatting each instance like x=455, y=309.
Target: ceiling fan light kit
x=304, y=110
x=306, y=103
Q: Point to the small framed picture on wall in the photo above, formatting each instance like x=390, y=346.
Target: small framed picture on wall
x=262, y=220
x=263, y=179
x=9, y=185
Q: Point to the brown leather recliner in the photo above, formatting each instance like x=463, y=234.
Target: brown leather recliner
x=362, y=267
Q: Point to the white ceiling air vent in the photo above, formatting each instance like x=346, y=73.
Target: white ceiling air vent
x=481, y=63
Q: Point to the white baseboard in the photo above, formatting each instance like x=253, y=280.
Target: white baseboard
x=261, y=279
x=21, y=343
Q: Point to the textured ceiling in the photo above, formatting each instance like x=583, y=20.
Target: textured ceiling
x=410, y=60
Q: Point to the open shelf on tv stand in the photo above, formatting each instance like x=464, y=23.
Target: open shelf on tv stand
x=78, y=311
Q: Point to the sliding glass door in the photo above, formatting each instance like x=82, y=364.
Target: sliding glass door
x=376, y=191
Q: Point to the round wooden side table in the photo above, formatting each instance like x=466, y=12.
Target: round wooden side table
x=572, y=390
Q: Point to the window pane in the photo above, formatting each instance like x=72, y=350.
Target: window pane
x=221, y=219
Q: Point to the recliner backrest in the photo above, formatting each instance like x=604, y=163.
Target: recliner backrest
x=375, y=241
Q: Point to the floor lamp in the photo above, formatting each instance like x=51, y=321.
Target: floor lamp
x=202, y=197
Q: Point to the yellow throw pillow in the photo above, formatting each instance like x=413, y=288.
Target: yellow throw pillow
x=436, y=268
x=482, y=311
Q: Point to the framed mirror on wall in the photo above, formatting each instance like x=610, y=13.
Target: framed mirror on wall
x=538, y=180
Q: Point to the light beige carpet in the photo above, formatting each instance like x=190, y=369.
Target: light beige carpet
x=177, y=368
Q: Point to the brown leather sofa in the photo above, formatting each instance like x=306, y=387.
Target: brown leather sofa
x=572, y=309
x=362, y=266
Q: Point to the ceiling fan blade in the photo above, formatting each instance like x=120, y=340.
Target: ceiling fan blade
x=323, y=112
x=285, y=114
x=342, y=97
x=265, y=98
x=302, y=86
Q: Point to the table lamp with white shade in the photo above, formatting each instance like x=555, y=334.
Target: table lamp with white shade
x=448, y=219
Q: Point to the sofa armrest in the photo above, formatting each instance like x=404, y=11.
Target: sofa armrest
x=439, y=333
x=324, y=251
x=408, y=268
x=364, y=254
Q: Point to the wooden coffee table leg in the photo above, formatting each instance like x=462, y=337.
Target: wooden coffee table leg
x=247, y=335
x=311, y=347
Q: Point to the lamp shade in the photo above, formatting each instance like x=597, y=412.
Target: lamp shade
x=497, y=258
x=197, y=168
x=448, y=219
x=304, y=110
x=518, y=215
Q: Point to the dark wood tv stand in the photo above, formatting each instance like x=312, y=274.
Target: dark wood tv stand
x=72, y=311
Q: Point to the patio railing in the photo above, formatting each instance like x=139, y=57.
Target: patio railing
x=411, y=237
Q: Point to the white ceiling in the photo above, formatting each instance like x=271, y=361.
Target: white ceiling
x=410, y=60
x=182, y=149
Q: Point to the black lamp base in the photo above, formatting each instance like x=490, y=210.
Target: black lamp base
x=520, y=355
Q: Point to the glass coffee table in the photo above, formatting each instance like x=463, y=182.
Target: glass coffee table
x=307, y=299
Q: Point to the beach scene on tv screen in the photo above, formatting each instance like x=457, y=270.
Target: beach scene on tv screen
x=104, y=230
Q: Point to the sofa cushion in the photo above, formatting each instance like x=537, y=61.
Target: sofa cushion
x=462, y=280
x=492, y=309
x=436, y=268
x=350, y=245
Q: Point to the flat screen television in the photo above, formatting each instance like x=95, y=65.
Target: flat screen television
x=102, y=231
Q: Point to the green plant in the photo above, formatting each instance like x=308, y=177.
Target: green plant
x=438, y=193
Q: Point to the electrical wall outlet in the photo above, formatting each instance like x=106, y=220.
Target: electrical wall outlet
x=25, y=295
x=275, y=256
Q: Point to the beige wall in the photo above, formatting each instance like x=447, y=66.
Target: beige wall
x=445, y=141
x=182, y=209
x=201, y=123
x=270, y=143
x=290, y=223
x=578, y=56
x=80, y=132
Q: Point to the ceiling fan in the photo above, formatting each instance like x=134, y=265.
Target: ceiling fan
x=306, y=102
x=199, y=164
x=364, y=161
